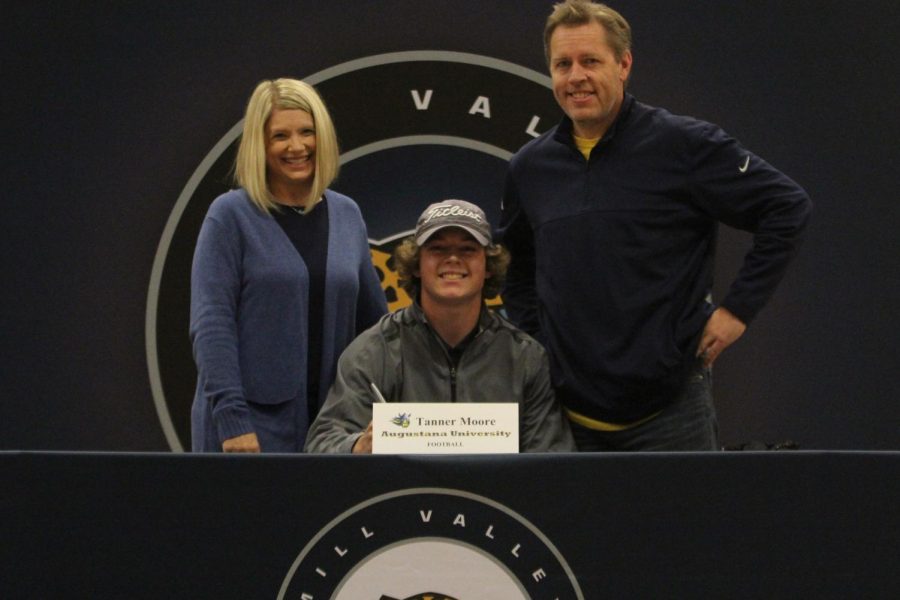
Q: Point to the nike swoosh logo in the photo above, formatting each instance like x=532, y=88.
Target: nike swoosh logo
x=743, y=168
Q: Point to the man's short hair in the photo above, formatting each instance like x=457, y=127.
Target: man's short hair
x=572, y=13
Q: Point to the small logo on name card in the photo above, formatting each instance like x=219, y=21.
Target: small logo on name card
x=402, y=420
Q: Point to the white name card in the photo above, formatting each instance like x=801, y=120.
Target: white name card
x=445, y=428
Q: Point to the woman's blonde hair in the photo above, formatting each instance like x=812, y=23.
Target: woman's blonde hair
x=250, y=164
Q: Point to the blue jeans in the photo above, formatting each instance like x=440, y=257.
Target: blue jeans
x=687, y=424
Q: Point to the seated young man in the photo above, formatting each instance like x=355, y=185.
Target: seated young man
x=447, y=346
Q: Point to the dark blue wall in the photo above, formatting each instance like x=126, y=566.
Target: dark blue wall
x=109, y=108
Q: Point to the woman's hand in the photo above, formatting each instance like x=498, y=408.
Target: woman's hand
x=242, y=443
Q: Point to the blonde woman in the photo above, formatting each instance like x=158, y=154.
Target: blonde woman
x=282, y=280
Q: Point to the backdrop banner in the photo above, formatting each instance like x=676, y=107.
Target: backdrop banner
x=122, y=123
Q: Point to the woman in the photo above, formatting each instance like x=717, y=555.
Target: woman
x=282, y=280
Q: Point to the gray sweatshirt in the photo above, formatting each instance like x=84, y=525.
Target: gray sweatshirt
x=405, y=358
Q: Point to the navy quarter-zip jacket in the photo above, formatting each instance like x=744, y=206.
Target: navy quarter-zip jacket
x=612, y=258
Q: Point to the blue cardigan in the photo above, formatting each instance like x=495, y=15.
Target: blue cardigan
x=249, y=304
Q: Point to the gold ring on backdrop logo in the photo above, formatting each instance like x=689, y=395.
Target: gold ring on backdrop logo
x=436, y=124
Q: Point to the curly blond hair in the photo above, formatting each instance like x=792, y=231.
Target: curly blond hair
x=406, y=261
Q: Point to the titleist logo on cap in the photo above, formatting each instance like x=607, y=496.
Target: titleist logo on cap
x=446, y=210
x=453, y=213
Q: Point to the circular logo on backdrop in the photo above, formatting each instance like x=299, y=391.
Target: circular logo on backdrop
x=430, y=543
x=413, y=127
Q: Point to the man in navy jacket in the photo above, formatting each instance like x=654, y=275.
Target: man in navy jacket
x=611, y=219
